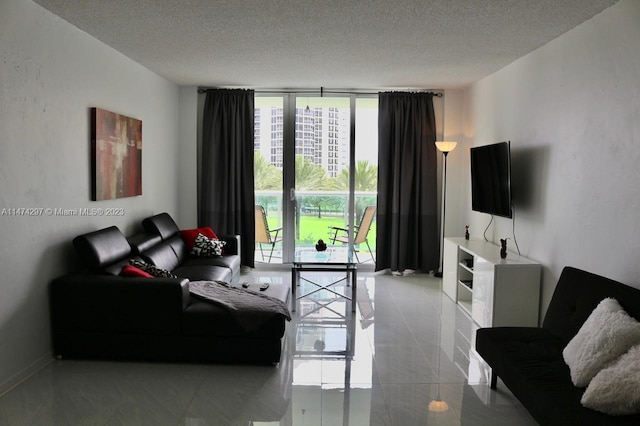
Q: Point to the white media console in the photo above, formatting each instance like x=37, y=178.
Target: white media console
x=493, y=291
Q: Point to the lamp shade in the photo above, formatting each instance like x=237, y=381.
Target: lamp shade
x=446, y=146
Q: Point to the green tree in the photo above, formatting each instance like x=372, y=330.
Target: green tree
x=309, y=176
x=266, y=175
x=366, y=178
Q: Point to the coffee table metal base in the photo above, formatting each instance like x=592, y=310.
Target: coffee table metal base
x=351, y=279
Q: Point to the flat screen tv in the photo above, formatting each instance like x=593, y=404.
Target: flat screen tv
x=491, y=179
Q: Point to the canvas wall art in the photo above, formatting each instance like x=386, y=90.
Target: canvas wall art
x=116, y=155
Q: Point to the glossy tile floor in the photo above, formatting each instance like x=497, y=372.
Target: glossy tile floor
x=403, y=354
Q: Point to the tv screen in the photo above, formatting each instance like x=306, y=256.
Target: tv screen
x=491, y=179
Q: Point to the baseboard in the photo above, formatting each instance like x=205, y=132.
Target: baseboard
x=25, y=373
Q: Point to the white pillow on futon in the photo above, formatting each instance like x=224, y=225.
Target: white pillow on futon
x=608, y=333
x=615, y=390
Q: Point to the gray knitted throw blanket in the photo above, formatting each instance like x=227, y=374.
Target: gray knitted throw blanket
x=250, y=308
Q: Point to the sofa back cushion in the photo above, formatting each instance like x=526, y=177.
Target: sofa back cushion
x=161, y=224
x=143, y=241
x=162, y=256
x=103, y=248
x=179, y=248
x=576, y=296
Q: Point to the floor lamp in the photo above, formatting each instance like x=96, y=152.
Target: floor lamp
x=445, y=147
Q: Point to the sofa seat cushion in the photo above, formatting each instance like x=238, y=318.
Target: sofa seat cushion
x=202, y=318
x=203, y=273
x=516, y=348
x=230, y=262
x=530, y=363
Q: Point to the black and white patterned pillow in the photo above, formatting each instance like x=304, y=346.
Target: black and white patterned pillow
x=151, y=269
x=207, y=247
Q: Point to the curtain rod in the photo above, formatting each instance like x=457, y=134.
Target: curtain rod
x=322, y=91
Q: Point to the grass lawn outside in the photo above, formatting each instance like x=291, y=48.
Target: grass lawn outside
x=313, y=229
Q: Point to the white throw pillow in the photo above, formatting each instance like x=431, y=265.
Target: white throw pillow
x=204, y=246
x=615, y=390
x=605, y=335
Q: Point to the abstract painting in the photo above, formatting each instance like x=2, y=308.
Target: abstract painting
x=116, y=145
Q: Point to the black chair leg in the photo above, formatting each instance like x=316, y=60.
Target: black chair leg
x=273, y=246
x=370, y=252
x=494, y=380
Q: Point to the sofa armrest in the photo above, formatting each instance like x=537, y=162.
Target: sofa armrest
x=233, y=243
x=113, y=304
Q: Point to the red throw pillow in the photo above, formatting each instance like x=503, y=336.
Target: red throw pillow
x=132, y=271
x=189, y=235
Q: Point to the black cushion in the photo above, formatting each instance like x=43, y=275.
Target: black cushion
x=179, y=247
x=208, y=319
x=577, y=294
x=231, y=262
x=162, y=256
x=143, y=241
x=204, y=273
x=161, y=224
x=99, y=249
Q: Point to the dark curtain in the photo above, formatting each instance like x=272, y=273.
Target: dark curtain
x=226, y=201
x=407, y=234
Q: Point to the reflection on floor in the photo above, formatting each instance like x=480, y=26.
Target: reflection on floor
x=403, y=358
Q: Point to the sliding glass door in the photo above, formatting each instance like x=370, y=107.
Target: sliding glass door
x=322, y=163
x=316, y=171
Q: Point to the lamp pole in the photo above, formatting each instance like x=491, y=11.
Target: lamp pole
x=445, y=147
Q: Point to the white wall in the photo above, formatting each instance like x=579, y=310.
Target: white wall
x=187, y=215
x=452, y=131
x=572, y=112
x=51, y=75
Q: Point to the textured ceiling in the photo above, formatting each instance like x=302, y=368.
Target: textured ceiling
x=345, y=44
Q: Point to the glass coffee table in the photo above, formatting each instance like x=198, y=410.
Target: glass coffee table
x=334, y=259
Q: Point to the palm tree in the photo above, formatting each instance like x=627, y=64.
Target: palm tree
x=366, y=177
x=266, y=175
x=309, y=176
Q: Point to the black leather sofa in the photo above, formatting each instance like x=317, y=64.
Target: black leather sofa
x=529, y=360
x=96, y=313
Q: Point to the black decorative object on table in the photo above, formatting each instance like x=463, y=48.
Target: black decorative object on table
x=503, y=249
x=466, y=232
x=321, y=246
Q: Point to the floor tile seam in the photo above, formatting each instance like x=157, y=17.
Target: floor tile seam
x=415, y=382
x=331, y=382
x=193, y=398
x=416, y=343
x=412, y=333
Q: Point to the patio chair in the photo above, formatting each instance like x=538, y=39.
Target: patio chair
x=263, y=234
x=362, y=229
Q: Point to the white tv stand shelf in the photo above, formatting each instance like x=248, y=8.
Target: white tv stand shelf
x=495, y=292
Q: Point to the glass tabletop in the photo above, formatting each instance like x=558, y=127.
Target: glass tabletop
x=332, y=255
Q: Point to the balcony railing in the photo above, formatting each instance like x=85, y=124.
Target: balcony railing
x=316, y=213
